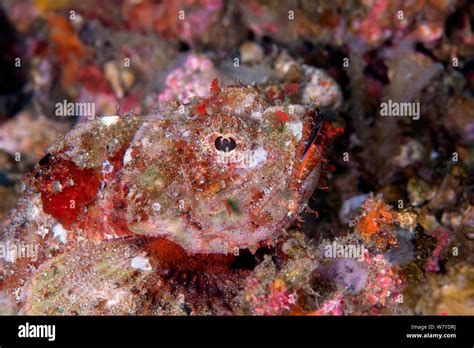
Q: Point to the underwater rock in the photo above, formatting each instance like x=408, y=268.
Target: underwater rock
x=192, y=79
x=448, y=295
x=251, y=52
x=321, y=89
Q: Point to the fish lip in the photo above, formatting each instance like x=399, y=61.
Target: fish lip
x=317, y=121
x=312, y=137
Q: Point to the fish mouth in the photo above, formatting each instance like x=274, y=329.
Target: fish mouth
x=317, y=121
x=312, y=138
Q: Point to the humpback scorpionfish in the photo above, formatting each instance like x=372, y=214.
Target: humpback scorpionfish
x=156, y=215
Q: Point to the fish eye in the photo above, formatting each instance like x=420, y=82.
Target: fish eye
x=225, y=144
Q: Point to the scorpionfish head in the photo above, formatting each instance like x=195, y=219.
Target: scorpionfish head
x=230, y=171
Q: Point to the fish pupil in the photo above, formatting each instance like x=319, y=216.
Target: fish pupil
x=225, y=144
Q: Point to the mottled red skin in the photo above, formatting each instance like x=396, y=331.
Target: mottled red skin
x=58, y=204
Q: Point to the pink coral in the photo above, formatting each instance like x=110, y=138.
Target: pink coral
x=442, y=236
x=333, y=306
x=192, y=79
x=383, y=283
x=276, y=299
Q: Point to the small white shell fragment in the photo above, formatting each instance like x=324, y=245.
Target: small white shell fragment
x=60, y=233
x=109, y=120
x=127, y=157
x=141, y=262
x=156, y=207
